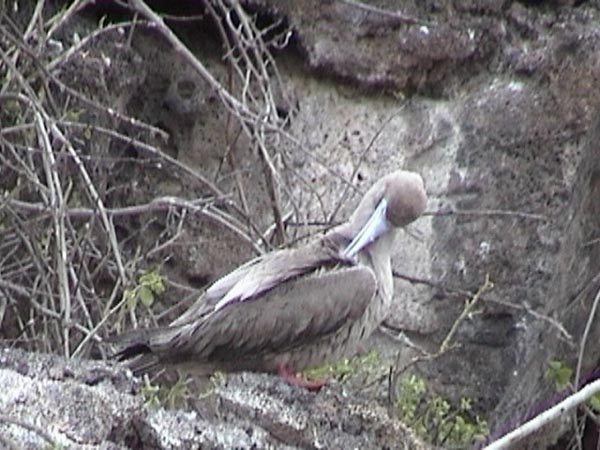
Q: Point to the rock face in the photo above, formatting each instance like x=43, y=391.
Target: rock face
x=424, y=46
x=511, y=146
x=48, y=401
x=495, y=103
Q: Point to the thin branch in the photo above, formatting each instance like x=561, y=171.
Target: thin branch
x=46, y=70
x=254, y=118
x=431, y=283
x=157, y=204
x=139, y=145
x=228, y=99
x=361, y=159
x=384, y=12
x=56, y=22
x=568, y=337
x=587, y=329
x=89, y=40
x=57, y=205
x=96, y=200
x=558, y=410
x=486, y=212
x=444, y=347
x=591, y=242
x=469, y=306
x=454, y=290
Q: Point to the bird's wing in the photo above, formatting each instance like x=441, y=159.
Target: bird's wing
x=293, y=313
x=258, y=276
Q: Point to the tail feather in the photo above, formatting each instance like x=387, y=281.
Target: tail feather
x=142, y=350
x=132, y=351
x=143, y=363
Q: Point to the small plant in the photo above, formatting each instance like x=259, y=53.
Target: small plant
x=434, y=418
x=168, y=397
x=149, y=284
x=150, y=393
x=411, y=390
x=345, y=368
x=560, y=374
x=55, y=446
x=176, y=394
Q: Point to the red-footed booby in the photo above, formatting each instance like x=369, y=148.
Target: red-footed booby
x=292, y=309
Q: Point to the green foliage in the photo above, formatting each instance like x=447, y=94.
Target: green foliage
x=434, y=418
x=55, y=446
x=149, y=284
x=410, y=391
x=176, y=395
x=594, y=402
x=171, y=397
x=430, y=416
x=150, y=394
x=74, y=114
x=345, y=368
x=559, y=373
x=216, y=379
x=11, y=107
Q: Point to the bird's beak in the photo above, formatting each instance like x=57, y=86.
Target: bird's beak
x=374, y=228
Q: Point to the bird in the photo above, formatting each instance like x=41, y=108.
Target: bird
x=292, y=309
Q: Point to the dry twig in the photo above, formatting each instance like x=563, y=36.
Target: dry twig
x=520, y=433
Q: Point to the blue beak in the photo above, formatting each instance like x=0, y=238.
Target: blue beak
x=373, y=229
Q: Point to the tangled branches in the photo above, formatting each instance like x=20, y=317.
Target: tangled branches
x=75, y=232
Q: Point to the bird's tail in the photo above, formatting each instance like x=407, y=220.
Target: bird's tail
x=142, y=350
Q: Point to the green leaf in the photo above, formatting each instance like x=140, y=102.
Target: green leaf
x=594, y=402
x=150, y=394
x=154, y=281
x=559, y=373
x=130, y=298
x=434, y=418
x=345, y=368
x=465, y=404
x=146, y=296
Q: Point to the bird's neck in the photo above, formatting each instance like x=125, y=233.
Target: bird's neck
x=377, y=255
x=380, y=255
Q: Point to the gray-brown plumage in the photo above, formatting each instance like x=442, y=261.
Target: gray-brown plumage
x=295, y=308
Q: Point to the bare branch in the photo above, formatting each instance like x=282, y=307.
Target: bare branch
x=587, y=329
x=360, y=161
x=374, y=9
x=451, y=289
x=486, y=212
x=228, y=99
x=158, y=204
x=469, y=307
x=57, y=205
x=558, y=410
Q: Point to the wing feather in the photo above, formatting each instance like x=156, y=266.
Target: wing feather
x=282, y=299
x=260, y=275
x=294, y=313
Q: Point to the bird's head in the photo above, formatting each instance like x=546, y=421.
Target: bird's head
x=394, y=201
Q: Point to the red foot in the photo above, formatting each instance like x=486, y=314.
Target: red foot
x=297, y=380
